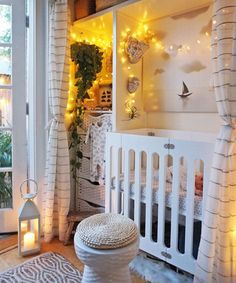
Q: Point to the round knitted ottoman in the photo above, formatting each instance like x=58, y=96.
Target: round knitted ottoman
x=106, y=243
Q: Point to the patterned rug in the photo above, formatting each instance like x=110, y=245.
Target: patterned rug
x=46, y=268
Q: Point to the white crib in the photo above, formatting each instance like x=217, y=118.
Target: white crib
x=167, y=212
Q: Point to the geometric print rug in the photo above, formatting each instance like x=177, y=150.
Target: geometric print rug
x=46, y=268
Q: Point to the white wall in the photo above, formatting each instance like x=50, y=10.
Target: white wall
x=163, y=74
x=203, y=122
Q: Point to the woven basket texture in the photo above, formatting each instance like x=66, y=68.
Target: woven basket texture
x=107, y=231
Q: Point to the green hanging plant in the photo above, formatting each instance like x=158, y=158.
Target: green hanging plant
x=88, y=61
x=5, y=161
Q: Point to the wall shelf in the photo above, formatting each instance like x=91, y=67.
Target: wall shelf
x=110, y=24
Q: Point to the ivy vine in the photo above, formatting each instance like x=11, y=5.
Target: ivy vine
x=88, y=61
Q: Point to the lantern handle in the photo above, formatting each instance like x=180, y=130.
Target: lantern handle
x=29, y=196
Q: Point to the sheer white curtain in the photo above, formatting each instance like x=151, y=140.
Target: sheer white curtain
x=56, y=196
x=217, y=253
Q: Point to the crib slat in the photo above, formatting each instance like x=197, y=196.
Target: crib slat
x=161, y=200
x=137, y=197
x=175, y=202
x=206, y=177
x=190, y=206
x=126, y=181
x=108, y=159
x=149, y=191
x=117, y=163
x=190, y=149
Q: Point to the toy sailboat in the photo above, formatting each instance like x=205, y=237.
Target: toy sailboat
x=185, y=91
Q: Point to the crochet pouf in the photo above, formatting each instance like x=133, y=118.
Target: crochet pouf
x=106, y=243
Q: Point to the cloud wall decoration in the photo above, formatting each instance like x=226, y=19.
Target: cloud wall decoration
x=194, y=66
x=158, y=71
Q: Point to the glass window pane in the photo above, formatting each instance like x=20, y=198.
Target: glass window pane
x=5, y=65
x=5, y=149
x=5, y=27
x=5, y=189
x=5, y=108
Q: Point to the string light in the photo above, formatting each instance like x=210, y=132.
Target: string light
x=73, y=35
x=141, y=33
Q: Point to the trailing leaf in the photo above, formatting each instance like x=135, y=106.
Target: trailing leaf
x=88, y=61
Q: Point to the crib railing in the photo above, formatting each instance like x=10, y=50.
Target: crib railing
x=126, y=153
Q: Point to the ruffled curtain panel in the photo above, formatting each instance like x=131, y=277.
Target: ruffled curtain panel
x=56, y=196
x=217, y=252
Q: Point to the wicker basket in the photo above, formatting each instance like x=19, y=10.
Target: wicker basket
x=103, y=4
x=84, y=8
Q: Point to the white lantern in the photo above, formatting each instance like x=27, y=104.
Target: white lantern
x=29, y=223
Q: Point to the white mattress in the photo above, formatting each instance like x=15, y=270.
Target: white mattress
x=168, y=194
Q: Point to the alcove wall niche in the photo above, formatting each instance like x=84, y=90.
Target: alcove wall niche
x=184, y=55
x=180, y=52
x=97, y=31
x=165, y=65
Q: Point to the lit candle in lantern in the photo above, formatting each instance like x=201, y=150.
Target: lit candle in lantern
x=29, y=240
x=29, y=234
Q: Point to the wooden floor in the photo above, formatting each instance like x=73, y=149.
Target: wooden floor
x=7, y=241
x=11, y=258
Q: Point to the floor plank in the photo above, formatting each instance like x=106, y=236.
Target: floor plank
x=7, y=242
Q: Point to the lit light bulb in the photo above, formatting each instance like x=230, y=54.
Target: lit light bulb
x=145, y=27
x=159, y=45
x=172, y=50
x=2, y=81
